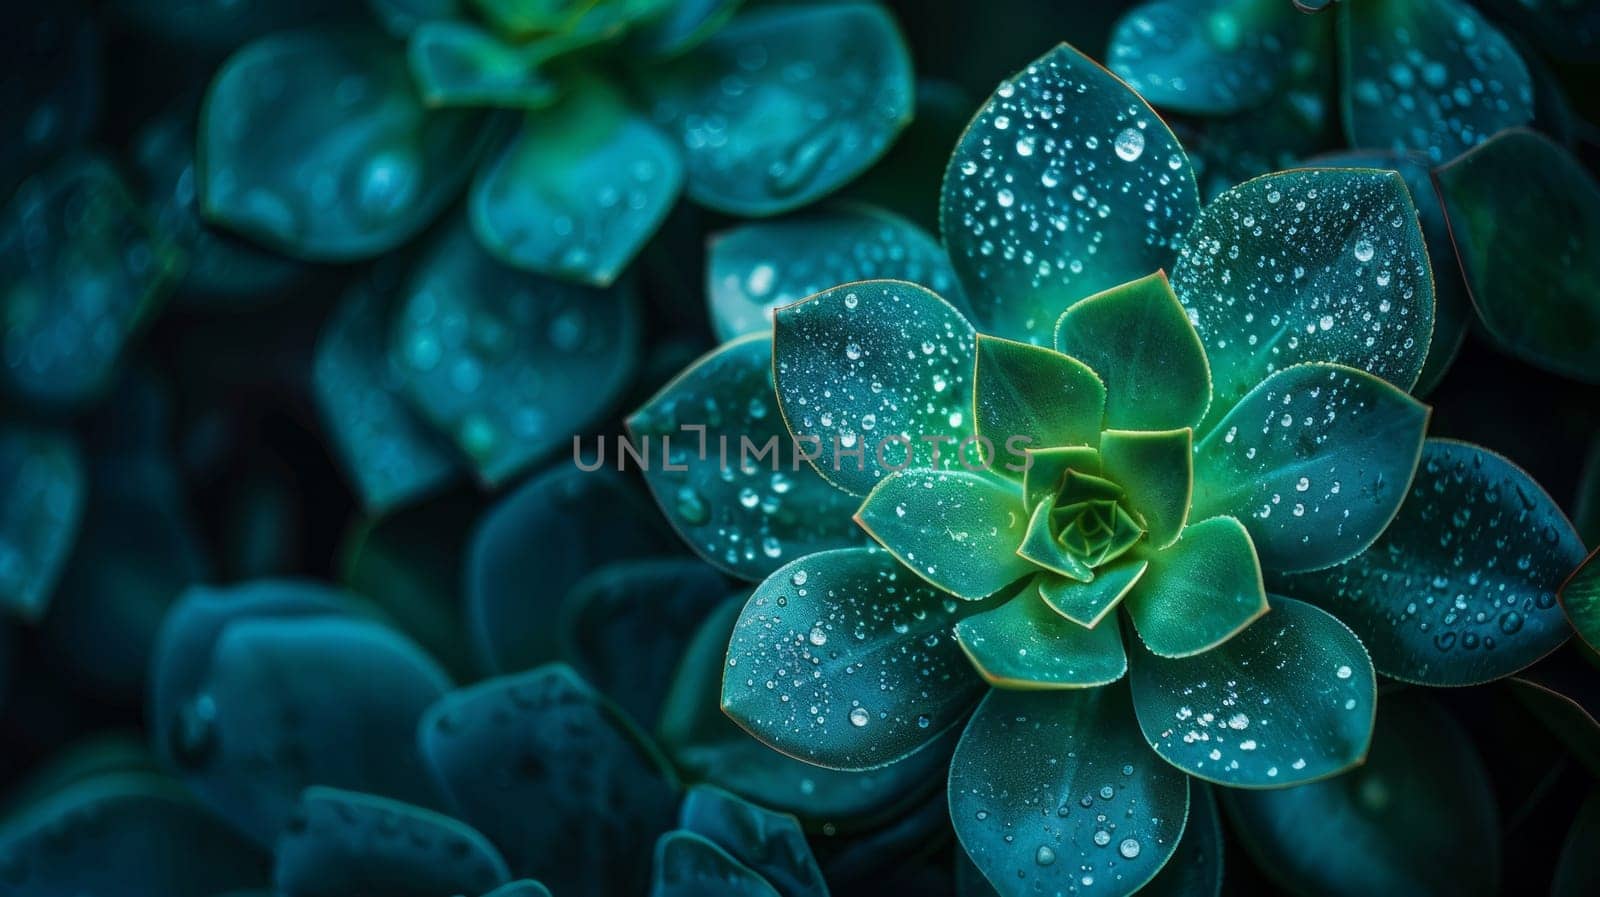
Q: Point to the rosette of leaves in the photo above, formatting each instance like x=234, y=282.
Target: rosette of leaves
x=1178, y=569
x=576, y=124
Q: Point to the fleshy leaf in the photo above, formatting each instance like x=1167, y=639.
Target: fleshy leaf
x=1087, y=603
x=579, y=190
x=689, y=865
x=1578, y=868
x=1139, y=340
x=1314, y=461
x=878, y=365
x=683, y=26
x=1039, y=545
x=343, y=842
x=401, y=17
x=456, y=63
x=1036, y=770
x=821, y=93
x=1047, y=467
x=756, y=268
x=136, y=835
x=1568, y=31
x=1308, y=265
x=544, y=739
x=1429, y=75
x=1288, y=700
x=770, y=843
x=340, y=103
x=1461, y=588
x=508, y=364
x=1034, y=392
x=956, y=529
x=1035, y=220
x=82, y=271
x=1196, y=868
x=1567, y=704
x=1200, y=591
x=1580, y=598
x=859, y=654
x=387, y=452
x=1417, y=818
x=548, y=534
x=1521, y=209
x=1025, y=644
x=39, y=516
x=746, y=502
x=1214, y=57
x=523, y=888
x=1156, y=469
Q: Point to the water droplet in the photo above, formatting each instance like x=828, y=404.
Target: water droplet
x=1129, y=145
x=859, y=717
x=1129, y=848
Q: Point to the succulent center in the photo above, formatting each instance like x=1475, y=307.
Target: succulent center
x=1078, y=519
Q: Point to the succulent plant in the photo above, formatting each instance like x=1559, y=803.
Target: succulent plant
x=577, y=123
x=1124, y=449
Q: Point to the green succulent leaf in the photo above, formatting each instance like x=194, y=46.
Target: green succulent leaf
x=1025, y=644
x=1200, y=591
x=1417, y=818
x=756, y=268
x=39, y=516
x=1034, y=221
x=1314, y=461
x=822, y=92
x=1308, y=265
x=747, y=515
x=1046, y=469
x=340, y=103
x=770, y=843
x=1580, y=598
x=579, y=190
x=883, y=368
x=1214, y=57
x=1461, y=588
x=1028, y=391
x=459, y=64
x=1156, y=468
x=1288, y=700
x=957, y=529
x=863, y=667
x=1429, y=75
x=508, y=365
x=1140, y=341
x=1033, y=773
x=1521, y=209
x=1039, y=545
x=689, y=865
x=1566, y=703
x=1087, y=603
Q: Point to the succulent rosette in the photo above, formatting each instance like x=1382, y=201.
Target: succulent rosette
x=1146, y=525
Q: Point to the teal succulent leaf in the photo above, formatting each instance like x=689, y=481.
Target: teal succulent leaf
x=1308, y=265
x=1025, y=644
x=1046, y=467
x=1568, y=31
x=1288, y=700
x=507, y=364
x=1578, y=869
x=1035, y=221
x=1461, y=588
x=344, y=842
x=957, y=529
x=821, y=93
x=553, y=530
x=1140, y=341
x=757, y=268
x=402, y=17
x=1087, y=603
x=858, y=653
x=858, y=365
x=1428, y=75
x=769, y=843
x=458, y=64
x=545, y=739
x=1200, y=591
x=1452, y=309
x=389, y=454
x=1315, y=462
x=524, y=888
x=1195, y=870
x=1215, y=57
x=1580, y=599
x=747, y=515
x=83, y=270
x=1040, y=546
x=689, y=865
x=1417, y=818
x=340, y=103
x=1520, y=210
x=1156, y=470
x=707, y=746
x=40, y=515
x=682, y=26
x=1035, y=771
x=1030, y=391
x=116, y=833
